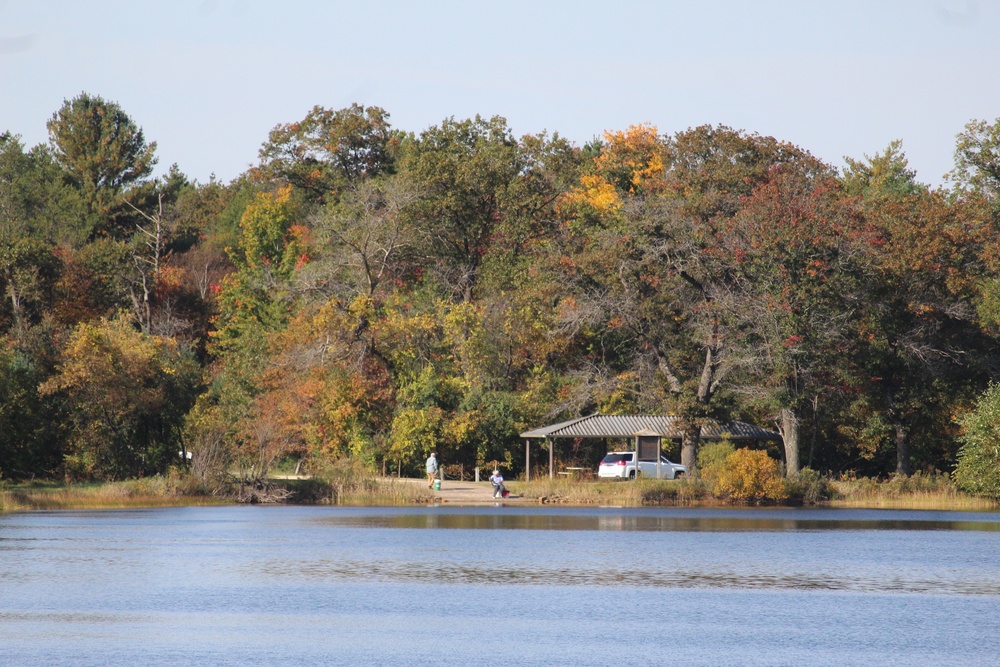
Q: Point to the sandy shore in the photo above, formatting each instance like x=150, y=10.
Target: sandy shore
x=468, y=493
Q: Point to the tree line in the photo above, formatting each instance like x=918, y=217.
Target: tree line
x=368, y=294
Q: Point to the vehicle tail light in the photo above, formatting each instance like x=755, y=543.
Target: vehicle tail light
x=619, y=463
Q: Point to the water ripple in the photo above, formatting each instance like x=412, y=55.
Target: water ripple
x=412, y=572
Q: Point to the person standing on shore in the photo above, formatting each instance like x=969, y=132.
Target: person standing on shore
x=432, y=469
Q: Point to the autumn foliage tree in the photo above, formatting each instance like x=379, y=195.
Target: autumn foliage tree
x=126, y=395
x=650, y=272
x=329, y=151
x=919, y=342
x=797, y=250
x=368, y=294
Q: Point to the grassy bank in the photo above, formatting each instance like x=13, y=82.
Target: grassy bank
x=165, y=492
x=355, y=490
x=637, y=493
x=147, y=492
x=919, y=492
x=351, y=488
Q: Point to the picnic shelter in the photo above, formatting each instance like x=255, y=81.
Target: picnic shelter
x=648, y=431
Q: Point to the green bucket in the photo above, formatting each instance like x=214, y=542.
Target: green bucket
x=437, y=485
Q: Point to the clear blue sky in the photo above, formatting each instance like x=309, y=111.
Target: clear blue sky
x=208, y=79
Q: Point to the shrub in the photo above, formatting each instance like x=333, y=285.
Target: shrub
x=712, y=459
x=809, y=487
x=681, y=492
x=978, y=470
x=751, y=476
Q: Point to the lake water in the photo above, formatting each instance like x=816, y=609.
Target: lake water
x=499, y=586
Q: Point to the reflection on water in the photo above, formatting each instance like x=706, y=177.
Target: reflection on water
x=503, y=585
x=807, y=550
x=673, y=520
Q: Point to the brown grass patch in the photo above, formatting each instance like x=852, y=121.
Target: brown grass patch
x=147, y=492
x=918, y=492
x=634, y=493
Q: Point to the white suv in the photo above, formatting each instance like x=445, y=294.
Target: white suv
x=622, y=465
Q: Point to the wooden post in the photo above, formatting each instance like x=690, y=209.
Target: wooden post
x=552, y=458
x=527, y=459
x=659, y=464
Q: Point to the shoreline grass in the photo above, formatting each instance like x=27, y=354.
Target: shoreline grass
x=635, y=493
x=384, y=493
x=918, y=501
x=358, y=490
x=139, y=493
x=913, y=493
x=919, y=492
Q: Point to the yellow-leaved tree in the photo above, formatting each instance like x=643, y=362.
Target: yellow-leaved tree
x=629, y=163
x=126, y=394
x=267, y=237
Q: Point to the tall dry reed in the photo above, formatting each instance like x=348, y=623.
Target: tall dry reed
x=637, y=493
x=933, y=491
x=146, y=492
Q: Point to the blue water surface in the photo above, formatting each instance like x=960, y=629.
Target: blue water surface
x=499, y=586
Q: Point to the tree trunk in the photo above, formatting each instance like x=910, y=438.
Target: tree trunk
x=790, y=435
x=689, y=450
x=903, y=466
x=815, y=427
x=703, y=399
x=901, y=436
x=15, y=305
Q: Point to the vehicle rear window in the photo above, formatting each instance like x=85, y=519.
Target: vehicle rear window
x=615, y=458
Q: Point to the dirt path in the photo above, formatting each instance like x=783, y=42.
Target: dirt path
x=454, y=492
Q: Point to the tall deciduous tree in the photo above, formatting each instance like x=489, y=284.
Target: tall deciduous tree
x=29, y=270
x=710, y=168
x=467, y=171
x=654, y=281
x=797, y=250
x=328, y=151
x=919, y=342
x=364, y=240
x=977, y=160
x=252, y=299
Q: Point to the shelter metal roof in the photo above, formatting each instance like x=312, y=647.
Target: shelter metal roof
x=627, y=426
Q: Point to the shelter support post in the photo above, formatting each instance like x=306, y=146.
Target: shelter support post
x=552, y=458
x=659, y=464
x=527, y=459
